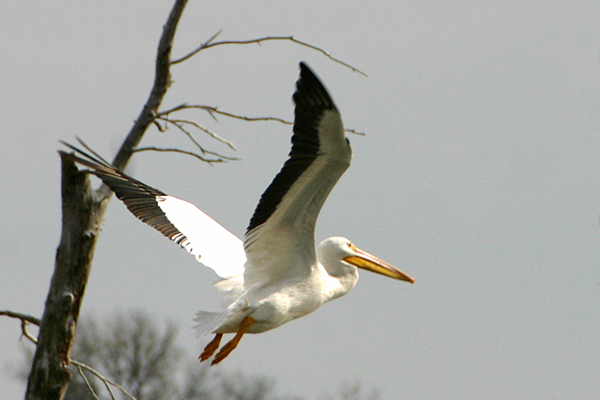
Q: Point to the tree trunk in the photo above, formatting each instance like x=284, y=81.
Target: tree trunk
x=82, y=214
x=83, y=210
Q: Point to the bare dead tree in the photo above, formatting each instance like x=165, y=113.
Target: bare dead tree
x=83, y=210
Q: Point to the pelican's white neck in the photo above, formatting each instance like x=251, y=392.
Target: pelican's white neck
x=341, y=276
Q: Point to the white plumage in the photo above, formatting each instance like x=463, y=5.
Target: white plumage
x=277, y=274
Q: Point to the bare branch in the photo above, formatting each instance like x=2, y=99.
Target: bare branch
x=158, y=126
x=356, y=132
x=26, y=332
x=162, y=80
x=221, y=158
x=211, y=110
x=171, y=110
x=107, y=382
x=87, y=382
x=180, y=122
x=208, y=44
x=202, y=46
x=214, y=110
x=22, y=317
x=25, y=319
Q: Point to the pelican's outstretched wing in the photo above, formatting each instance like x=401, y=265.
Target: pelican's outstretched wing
x=283, y=224
x=180, y=221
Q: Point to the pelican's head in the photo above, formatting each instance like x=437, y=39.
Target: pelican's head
x=338, y=254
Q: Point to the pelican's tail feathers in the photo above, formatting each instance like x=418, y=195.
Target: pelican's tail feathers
x=207, y=322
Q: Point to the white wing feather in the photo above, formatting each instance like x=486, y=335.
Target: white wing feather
x=284, y=246
x=180, y=221
x=211, y=244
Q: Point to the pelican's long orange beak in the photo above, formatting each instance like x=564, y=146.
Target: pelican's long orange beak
x=367, y=261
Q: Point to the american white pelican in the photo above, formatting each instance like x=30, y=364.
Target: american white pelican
x=276, y=274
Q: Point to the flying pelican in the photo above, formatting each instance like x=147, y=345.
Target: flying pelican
x=276, y=274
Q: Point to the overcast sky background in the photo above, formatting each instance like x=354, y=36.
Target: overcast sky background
x=479, y=176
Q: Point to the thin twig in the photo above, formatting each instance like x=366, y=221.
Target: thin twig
x=221, y=158
x=356, y=132
x=25, y=319
x=208, y=45
x=87, y=382
x=158, y=126
x=22, y=317
x=26, y=332
x=202, y=46
x=162, y=81
x=180, y=122
x=107, y=382
x=214, y=110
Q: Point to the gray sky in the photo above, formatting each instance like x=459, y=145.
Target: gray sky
x=479, y=176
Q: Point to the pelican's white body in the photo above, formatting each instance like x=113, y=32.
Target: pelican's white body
x=275, y=302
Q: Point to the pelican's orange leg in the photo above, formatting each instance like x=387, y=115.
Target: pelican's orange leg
x=210, y=348
x=232, y=344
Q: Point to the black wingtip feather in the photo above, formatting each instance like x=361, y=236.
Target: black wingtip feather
x=312, y=100
x=141, y=199
x=310, y=92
